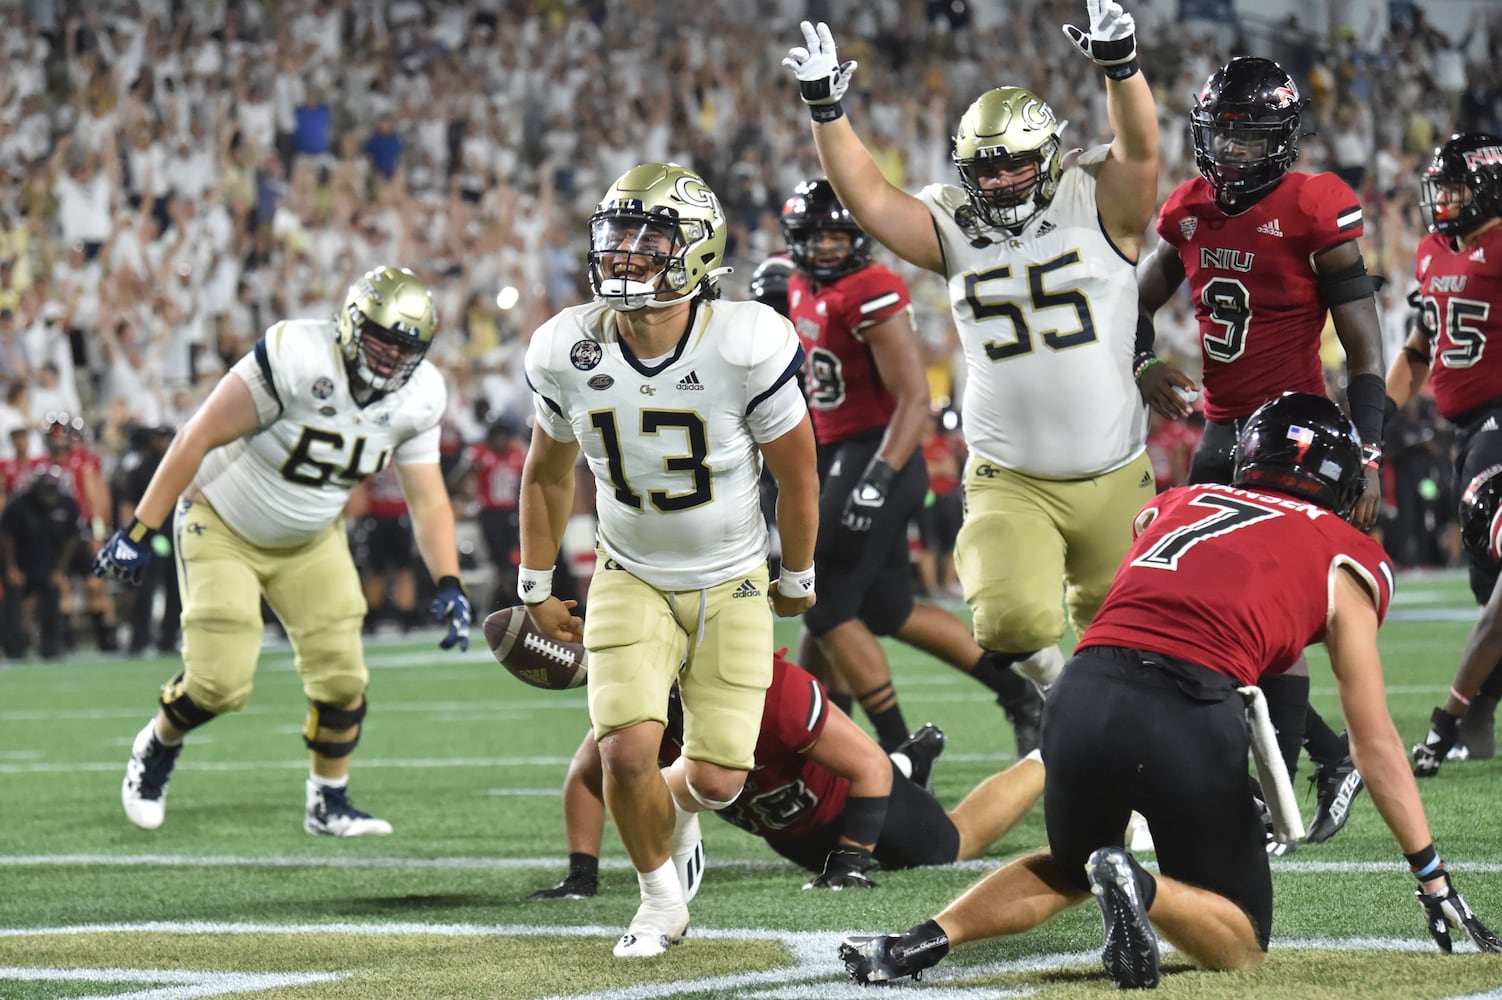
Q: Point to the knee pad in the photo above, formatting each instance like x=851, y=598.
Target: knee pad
x=182, y=710
x=322, y=715
x=713, y=805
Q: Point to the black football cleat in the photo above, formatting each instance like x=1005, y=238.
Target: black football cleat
x=919, y=751
x=882, y=958
x=1130, y=953
x=1338, y=784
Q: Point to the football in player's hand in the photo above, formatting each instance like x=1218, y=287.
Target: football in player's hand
x=532, y=657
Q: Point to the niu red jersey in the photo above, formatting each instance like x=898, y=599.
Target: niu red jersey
x=383, y=493
x=76, y=465
x=937, y=450
x=1255, y=290
x=1170, y=445
x=1234, y=580
x=1457, y=291
x=498, y=475
x=786, y=795
x=845, y=392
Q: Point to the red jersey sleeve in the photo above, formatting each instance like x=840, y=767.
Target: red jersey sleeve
x=1333, y=212
x=797, y=708
x=1171, y=215
x=870, y=295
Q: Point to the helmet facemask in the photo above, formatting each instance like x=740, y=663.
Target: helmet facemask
x=1246, y=126
x=1461, y=188
x=813, y=209
x=385, y=329
x=635, y=256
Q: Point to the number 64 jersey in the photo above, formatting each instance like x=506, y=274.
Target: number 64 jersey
x=672, y=441
x=1236, y=580
x=286, y=483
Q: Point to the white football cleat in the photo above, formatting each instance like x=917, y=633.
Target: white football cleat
x=330, y=812
x=143, y=793
x=1042, y=667
x=652, y=931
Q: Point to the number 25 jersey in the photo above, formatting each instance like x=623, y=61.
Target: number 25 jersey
x=672, y=443
x=287, y=482
x=1460, y=296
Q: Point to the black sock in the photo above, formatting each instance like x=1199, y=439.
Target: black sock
x=1287, y=702
x=843, y=700
x=994, y=670
x=1146, y=884
x=585, y=866
x=890, y=728
x=1324, y=745
x=1492, y=686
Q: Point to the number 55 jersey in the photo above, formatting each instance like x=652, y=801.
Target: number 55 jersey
x=672, y=441
x=286, y=483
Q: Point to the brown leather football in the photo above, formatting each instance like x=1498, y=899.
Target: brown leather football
x=532, y=657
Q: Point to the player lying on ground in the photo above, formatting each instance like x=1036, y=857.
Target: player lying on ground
x=824, y=795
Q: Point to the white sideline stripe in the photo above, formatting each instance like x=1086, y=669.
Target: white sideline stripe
x=192, y=984
x=396, y=763
x=811, y=951
x=492, y=708
x=1279, y=866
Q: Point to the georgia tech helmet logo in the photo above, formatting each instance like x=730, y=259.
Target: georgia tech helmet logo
x=693, y=191
x=1036, y=114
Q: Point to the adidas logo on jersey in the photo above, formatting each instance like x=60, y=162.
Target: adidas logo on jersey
x=1270, y=229
x=746, y=589
x=1490, y=425
x=691, y=381
x=1478, y=255
x=1045, y=227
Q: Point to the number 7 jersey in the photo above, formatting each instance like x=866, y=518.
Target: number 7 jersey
x=672, y=442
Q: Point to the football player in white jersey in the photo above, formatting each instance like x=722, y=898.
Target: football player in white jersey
x=676, y=399
x=263, y=470
x=1039, y=250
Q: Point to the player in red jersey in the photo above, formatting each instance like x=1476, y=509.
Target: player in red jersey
x=17, y=471
x=1459, y=269
x=823, y=795
x=84, y=474
x=1268, y=252
x=491, y=474
x=388, y=550
x=869, y=401
x=1223, y=585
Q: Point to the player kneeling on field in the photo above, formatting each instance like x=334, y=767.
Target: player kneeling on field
x=1152, y=719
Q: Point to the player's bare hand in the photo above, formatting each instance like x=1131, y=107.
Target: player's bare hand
x=555, y=619
x=1167, y=391
x=790, y=607
x=1369, y=507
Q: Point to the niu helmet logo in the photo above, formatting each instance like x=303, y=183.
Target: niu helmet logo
x=1284, y=97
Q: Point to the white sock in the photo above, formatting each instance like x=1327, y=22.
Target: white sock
x=660, y=887
x=323, y=782
x=685, y=827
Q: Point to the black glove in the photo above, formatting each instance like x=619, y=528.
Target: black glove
x=1445, y=909
x=1444, y=732
x=865, y=501
x=845, y=868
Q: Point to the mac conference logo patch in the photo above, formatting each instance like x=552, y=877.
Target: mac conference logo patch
x=585, y=354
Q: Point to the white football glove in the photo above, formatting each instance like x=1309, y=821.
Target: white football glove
x=1112, y=39
x=822, y=78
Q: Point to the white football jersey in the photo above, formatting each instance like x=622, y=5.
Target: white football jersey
x=672, y=445
x=1048, y=320
x=282, y=485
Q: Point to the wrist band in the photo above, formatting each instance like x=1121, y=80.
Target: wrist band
x=534, y=586
x=1424, y=863
x=1143, y=366
x=98, y=528
x=826, y=112
x=136, y=531
x=449, y=581
x=1459, y=697
x=795, y=583
x=1122, y=71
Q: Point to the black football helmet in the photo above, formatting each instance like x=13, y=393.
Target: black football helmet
x=1462, y=186
x=1245, y=126
x=813, y=208
x=1480, y=505
x=1303, y=445
x=769, y=283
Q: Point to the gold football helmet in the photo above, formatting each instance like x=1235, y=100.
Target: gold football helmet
x=656, y=239
x=1003, y=132
x=386, y=327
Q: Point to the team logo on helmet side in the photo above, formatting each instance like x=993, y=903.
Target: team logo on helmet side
x=1481, y=515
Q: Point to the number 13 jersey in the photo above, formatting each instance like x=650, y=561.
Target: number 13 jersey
x=1048, y=320
x=672, y=442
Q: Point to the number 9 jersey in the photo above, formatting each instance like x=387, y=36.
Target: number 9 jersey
x=672, y=440
x=286, y=483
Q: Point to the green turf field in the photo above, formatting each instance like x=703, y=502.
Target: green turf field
x=230, y=897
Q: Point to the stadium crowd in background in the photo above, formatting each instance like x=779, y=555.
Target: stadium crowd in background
x=173, y=177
